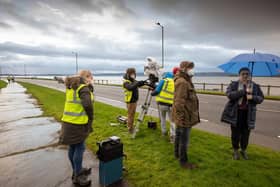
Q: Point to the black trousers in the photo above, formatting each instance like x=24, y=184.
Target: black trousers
x=182, y=139
x=240, y=133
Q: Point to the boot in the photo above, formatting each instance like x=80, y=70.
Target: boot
x=81, y=180
x=188, y=165
x=84, y=171
x=244, y=154
x=131, y=130
x=236, y=155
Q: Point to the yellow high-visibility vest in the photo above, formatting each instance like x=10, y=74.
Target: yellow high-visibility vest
x=166, y=95
x=74, y=111
x=127, y=93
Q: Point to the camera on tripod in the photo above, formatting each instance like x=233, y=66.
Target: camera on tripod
x=153, y=71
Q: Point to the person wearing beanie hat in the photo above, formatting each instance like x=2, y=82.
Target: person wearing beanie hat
x=185, y=112
x=240, y=111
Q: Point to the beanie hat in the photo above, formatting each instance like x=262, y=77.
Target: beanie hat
x=175, y=70
x=186, y=64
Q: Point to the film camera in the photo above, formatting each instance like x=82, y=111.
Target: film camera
x=153, y=71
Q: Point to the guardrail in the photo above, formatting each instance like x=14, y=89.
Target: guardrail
x=268, y=90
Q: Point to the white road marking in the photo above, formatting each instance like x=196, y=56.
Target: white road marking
x=107, y=99
x=267, y=110
x=204, y=120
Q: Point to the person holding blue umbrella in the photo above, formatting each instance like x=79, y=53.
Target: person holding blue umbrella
x=240, y=110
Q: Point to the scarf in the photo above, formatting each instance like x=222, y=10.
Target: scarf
x=241, y=87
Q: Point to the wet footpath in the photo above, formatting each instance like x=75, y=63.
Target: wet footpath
x=29, y=154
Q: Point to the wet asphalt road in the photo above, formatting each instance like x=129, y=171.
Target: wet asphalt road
x=211, y=107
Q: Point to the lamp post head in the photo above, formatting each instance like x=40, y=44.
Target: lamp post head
x=158, y=23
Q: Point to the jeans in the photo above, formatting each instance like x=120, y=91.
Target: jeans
x=181, y=144
x=75, y=154
x=240, y=133
x=163, y=109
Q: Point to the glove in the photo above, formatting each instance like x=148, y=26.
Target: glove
x=141, y=83
x=154, y=93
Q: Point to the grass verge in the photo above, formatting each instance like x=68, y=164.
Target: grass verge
x=150, y=159
x=3, y=84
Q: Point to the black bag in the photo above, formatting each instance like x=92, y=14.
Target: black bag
x=152, y=125
x=109, y=150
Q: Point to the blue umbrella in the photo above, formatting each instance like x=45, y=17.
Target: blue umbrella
x=260, y=64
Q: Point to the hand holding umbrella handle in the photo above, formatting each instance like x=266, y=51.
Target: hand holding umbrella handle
x=249, y=96
x=249, y=90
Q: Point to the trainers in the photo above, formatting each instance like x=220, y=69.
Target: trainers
x=236, y=155
x=244, y=154
x=84, y=171
x=81, y=180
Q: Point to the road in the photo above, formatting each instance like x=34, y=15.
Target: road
x=211, y=107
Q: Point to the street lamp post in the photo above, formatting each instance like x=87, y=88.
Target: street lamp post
x=162, y=43
x=76, y=54
x=24, y=69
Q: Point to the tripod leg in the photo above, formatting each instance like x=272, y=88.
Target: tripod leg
x=143, y=112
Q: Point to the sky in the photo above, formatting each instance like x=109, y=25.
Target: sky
x=112, y=35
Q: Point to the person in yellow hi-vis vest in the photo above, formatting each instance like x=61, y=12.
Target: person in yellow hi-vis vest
x=164, y=93
x=130, y=86
x=77, y=122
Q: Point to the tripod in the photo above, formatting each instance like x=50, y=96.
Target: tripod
x=144, y=111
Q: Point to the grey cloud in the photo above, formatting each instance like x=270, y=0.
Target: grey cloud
x=5, y=25
x=229, y=24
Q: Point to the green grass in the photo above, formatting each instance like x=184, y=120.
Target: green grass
x=3, y=84
x=150, y=160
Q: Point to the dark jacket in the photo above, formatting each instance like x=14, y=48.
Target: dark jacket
x=73, y=134
x=231, y=109
x=133, y=86
x=185, y=109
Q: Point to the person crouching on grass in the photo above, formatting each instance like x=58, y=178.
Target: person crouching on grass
x=240, y=111
x=77, y=122
x=185, y=112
